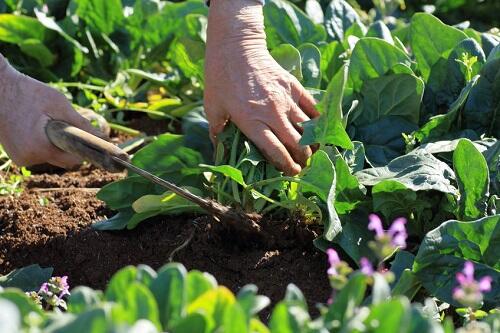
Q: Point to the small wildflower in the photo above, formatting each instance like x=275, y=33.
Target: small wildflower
x=366, y=266
x=33, y=295
x=387, y=242
x=53, y=291
x=333, y=260
x=338, y=270
x=469, y=292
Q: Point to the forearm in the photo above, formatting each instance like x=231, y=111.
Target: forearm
x=236, y=22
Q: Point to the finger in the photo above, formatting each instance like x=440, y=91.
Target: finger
x=271, y=147
x=74, y=118
x=297, y=116
x=217, y=122
x=63, y=160
x=304, y=99
x=63, y=111
x=49, y=153
x=290, y=137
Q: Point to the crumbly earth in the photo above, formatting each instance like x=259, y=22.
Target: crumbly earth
x=50, y=224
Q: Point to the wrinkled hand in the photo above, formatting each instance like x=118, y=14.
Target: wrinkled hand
x=26, y=105
x=245, y=85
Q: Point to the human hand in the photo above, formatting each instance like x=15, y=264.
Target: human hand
x=245, y=85
x=26, y=105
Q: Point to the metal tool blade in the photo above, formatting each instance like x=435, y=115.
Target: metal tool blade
x=203, y=203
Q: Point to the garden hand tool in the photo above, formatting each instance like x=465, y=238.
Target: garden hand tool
x=109, y=157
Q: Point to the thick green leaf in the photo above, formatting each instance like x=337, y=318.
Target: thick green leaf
x=371, y=58
x=16, y=29
x=349, y=192
x=139, y=303
x=432, y=40
x=333, y=225
x=445, y=249
x=29, y=278
x=330, y=59
x=473, y=180
x=328, y=128
x=103, y=16
x=311, y=65
x=393, y=200
x=416, y=171
x=119, y=283
x=50, y=23
x=170, y=293
x=383, y=139
x=118, y=222
x=286, y=23
x=197, y=283
x=288, y=318
x=250, y=302
x=391, y=95
x=289, y=58
x=378, y=29
x=441, y=125
x=235, y=319
x=166, y=203
x=36, y=49
x=227, y=171
x=319, y=175
x=339, y=17
x=482, y=110
x=193, y=322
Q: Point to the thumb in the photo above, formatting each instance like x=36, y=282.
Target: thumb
x=217, y=122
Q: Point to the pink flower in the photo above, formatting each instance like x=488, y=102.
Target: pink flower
x=366, y=266
x=376, y=225
x=469, y=292
x=333, y=260
x=44, y=288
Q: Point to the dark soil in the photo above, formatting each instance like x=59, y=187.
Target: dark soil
x=50, y=224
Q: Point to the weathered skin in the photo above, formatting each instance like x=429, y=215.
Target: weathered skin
x=245, y=85
x=26, y=105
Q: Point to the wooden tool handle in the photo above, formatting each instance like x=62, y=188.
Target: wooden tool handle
x=85, y=145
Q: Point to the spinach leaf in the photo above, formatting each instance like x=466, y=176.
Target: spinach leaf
x=390, y=95
x=371, y=58
x=417, y=171
x=289, y=58
x=432, y=40
x=339, y=17
x=311, y=65
x=473, y=179
x=102, y=16
x=482, y=110
x=328, y=128
x=445, y=249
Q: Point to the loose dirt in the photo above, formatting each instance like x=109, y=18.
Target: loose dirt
x=50, y=224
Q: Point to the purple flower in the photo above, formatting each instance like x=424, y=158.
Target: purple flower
x=366, y=266
x=44, y=288
x=376, y=225
x=397, y=232
x=338, y=270
x=386, y=242
x=469, y=292
x=333, y=260
x=63, y=286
